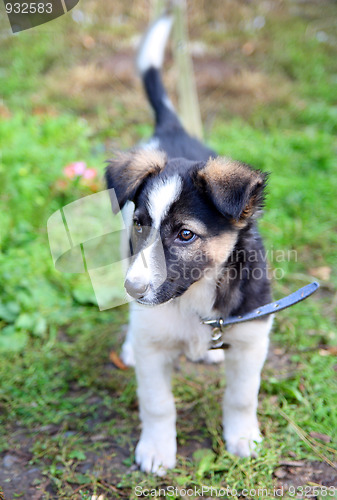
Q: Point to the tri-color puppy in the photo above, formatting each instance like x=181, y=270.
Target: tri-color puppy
x=204, y=208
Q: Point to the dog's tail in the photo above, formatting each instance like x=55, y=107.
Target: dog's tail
x=149, y=62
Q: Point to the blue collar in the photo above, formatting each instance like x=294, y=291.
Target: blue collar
x=219, y=324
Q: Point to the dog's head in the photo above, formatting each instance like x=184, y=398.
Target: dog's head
x=196, y=209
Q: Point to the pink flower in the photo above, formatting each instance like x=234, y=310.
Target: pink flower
x=89, y=173
x=75, y=169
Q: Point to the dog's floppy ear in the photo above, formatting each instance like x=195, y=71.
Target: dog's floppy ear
x=127, y=171
x=236, y=189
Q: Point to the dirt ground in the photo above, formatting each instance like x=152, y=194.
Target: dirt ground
x=18, y=475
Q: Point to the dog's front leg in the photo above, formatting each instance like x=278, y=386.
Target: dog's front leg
x=244, y=361
x=156, y=450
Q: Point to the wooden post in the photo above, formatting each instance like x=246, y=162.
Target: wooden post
x=189, y=111
x=188, y=99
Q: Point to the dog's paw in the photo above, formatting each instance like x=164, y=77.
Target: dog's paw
x=127, y=354
x=214, y=356
x=244, y=445
x=156, y=457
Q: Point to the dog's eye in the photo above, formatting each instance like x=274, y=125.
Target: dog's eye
x=137, y=226
x=185, y=235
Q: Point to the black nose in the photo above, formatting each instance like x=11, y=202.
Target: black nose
x=136, y=289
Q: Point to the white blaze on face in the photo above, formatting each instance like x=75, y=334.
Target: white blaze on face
x=149, y=267
x=161, y=198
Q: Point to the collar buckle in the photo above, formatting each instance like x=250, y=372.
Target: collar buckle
x=218, y=328
x=215, y=324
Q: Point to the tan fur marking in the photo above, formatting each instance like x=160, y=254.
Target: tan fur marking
x=240, y=224
x=220, y=247
x=144, y=160
x=226, y=172
x=134, y=166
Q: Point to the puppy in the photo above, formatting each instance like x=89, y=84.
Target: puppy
x=206, y=260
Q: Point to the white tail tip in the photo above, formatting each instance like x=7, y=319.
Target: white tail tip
x=152, y=47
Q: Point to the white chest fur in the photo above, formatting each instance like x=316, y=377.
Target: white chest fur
x=175, y=326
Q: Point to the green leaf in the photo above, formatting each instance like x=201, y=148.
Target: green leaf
x=206, y=460
x=40, y=326
x=77, y=454
x=9, y=311
x=11, y=340
x=25, y=321
x=84, y=296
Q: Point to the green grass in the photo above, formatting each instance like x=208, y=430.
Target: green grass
x=60, y=397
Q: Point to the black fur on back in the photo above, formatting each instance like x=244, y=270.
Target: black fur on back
x=172, y=137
